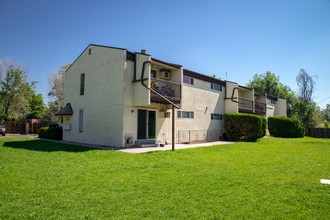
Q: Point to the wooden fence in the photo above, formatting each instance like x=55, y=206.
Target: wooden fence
x=24, y=127
x=318, y=132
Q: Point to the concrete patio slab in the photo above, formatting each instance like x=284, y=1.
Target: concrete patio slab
x=169, y=147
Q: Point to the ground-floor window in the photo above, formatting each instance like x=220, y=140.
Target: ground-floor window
x=185, y=114
x=215, y=116
x=81, y=120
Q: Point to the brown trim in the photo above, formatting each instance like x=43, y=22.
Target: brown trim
x=203, y=77
x=166, y=63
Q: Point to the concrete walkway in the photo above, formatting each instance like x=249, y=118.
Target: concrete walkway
x=169, y=147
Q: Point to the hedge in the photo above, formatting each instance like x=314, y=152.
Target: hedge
x=280, y=126
x=244, y=127
x=55, y=133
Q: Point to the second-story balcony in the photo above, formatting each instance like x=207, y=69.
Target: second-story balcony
x=260, y=107
x=170, y=90
x=249, y=106
x=245, y=105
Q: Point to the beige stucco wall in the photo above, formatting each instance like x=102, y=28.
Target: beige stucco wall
x=202, y=100
x=102, y=102
x=231, y=106
x=281, y=106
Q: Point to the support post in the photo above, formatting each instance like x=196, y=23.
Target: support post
x=173, y=128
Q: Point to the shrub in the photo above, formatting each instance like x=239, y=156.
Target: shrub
x=244, y=127
x=280, y=126
x=55, y=133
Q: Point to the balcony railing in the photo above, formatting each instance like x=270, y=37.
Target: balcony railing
x=260, y=107
x=171, y=91
x=245, y=104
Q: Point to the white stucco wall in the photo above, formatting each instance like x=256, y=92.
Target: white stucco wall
x=102, y=101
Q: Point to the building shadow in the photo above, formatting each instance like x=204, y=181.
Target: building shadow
x=46, y=146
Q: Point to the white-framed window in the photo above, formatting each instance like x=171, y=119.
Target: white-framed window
x=215, y=116
x=185, y=114
x=153, y=74
x=188, y=80
x=216, y=87
x=81, y=120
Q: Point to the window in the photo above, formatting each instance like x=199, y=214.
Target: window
x=273, y=101
x=89, y=51
x=81, y=120
x=216, y=87
x=188, y=80
x=82, y=84
x=215, y=116
x=153, y=74
x=185, y=114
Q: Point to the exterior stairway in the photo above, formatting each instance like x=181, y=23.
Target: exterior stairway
x=146, y=143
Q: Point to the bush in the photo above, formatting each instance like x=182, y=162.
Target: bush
x=280, y=126
x=55, y=133
x=244, y=127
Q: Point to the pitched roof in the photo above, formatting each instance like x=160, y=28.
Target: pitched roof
x=66, y=110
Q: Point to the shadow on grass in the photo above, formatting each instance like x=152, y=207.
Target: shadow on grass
x=47, y=146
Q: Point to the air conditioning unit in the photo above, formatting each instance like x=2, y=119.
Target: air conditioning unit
x=165, y=74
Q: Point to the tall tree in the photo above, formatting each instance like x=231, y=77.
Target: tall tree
x=56, y=94
x=304, y=108
x=37, y=107
x=15, y=93
x=270, y=84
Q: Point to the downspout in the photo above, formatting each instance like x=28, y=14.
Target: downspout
x=167, y=100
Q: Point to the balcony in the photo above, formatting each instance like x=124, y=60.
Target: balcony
x=260, y=107
x=245, y=105
x=169, y=90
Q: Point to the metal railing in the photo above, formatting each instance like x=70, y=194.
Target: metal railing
x=194, y=136
x=245, y=104
x=260, y=107
x=171, y=91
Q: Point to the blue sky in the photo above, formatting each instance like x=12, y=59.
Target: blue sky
x=240, y=37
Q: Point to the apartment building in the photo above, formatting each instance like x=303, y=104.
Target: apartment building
x=115, y=97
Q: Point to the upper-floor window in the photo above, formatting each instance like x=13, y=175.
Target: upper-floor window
x=273, y=101
x=185, y=114
x=215, y=116
x=216, y=87
x=82, y=84
x=188, y=80
x=153, y=74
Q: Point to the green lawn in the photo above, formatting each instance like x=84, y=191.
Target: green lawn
x=270, y=179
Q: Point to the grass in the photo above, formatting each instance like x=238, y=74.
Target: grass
x=271, y=179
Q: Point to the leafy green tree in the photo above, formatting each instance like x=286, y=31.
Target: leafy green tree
x=270, y=84
x=326, y=113
x=37, y=107
x=304, y=108
x=15, y=93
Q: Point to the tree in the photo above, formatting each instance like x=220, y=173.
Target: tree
x=15, y=93
x=37, y=107
x=56, y=94
x=304, y=109
x=270, y=84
